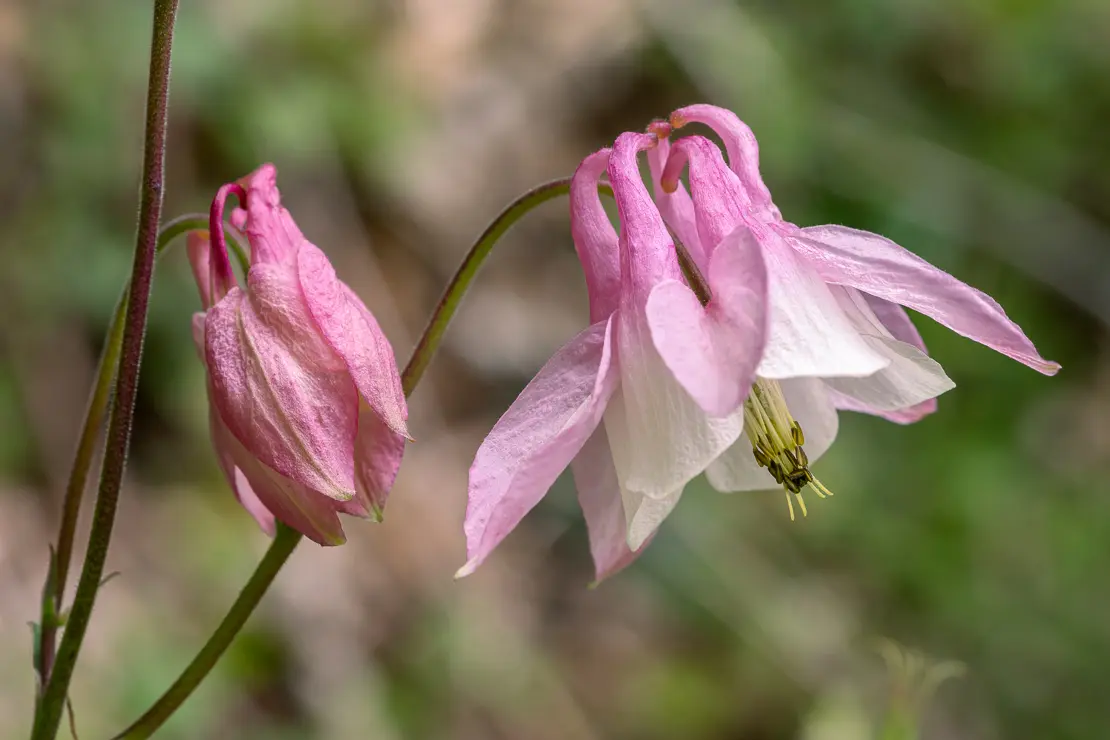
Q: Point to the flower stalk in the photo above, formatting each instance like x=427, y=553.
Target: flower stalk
x=50, y=707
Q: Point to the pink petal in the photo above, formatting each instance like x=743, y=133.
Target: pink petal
x=594, y=237
x=740, y=143
x=378, y=452
x=353, y=333
x=646, y=251
x=884, y=269
x=222, y=442
x=280, y=389
x=599, y=494
x=719, y=197
x=676, y=207
x=713, y=350
x=271, y=231
x=536, y=439
x=309, y=512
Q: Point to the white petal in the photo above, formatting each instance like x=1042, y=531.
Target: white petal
x=665, y=438
x=810, y=335
x=645, y=514
x=811, y=407
x=910, y=378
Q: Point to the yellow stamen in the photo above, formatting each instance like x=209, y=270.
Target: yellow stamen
x=777, y=440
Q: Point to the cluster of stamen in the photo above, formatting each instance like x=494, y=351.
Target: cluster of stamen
x=777, y=443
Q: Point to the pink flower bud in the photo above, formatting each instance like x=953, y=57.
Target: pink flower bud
x=307, y=413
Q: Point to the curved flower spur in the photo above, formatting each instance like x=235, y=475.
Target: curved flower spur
x=838, y=337
x=307, y=415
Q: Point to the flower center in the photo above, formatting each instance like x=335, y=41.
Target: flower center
x=777, y=442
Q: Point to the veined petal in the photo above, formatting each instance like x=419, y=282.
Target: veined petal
x=645, y=514
x=353, y=333
x=884, y=269
x=668, y=438
x=894, y=319
x=594, y=237
x=809, y=334
x=270, y=229
x=599, y=494
x=912, y=377
x=719, y=197
x=280, y=389
x=378, y=453
x=811, y=406
x=536, y=439
x=222, y=442
x=713, y=350
x=676, y=207
x=908, y=415
x=740, y=143
x=646, y=250
x=309, y=512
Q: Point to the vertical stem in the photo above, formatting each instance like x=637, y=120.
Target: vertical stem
x=118, y=438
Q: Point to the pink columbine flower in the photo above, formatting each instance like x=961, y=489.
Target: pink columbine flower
x=305, y=404
x=837, y=336
x=606, y=404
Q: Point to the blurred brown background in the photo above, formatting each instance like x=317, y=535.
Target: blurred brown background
x=975, y=133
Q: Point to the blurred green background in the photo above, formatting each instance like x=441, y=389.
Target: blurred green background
x=973, y=132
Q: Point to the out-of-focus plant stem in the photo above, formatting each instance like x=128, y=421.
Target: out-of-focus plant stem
x=286, y=539
x=50, y=706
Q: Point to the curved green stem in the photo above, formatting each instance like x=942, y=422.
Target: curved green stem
x=283, y=544
x=452, y=296
x=49, y=710
x=95, y=411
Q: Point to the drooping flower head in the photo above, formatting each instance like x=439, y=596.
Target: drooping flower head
x=747, y=327
x=306, y=409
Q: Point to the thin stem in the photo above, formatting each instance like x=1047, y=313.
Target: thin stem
x=86, y=448
x=281, y=549
x=49, y=714
x=452, y=296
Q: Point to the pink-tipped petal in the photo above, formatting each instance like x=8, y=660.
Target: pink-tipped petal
x=309, y=512
x=812, y=407
x=280, y=389
x=594, y=237
x=647, y=252
x=273, y=235
x=911, y=377
x=713, y=350
x=599, y=494
x=740, y=143
x=353, y=333
x=212, y=287
x=676, y=207
x=719, y=197
x=378, y=453
x=240, y=486
x=909, y=415
x=809, y=334
x=536, y=439
x=886, y=270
